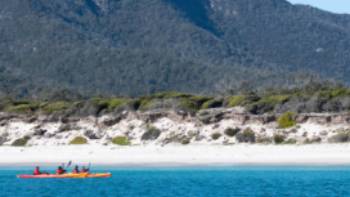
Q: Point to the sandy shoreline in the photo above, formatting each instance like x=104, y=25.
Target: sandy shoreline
x=200, y=155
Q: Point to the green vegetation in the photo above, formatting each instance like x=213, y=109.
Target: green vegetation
x=266, y=103
x=172, y=100
x=231, y=131
x=236, y=101
x=21, y=141
x=111, y=103
x=78, y=141
x=315, y=99
x=247, y=136
x=264, y=139
x=185, y=141
x=286, y=120
x=340, y=137
x=151, y=133
x=290, y=141
x=215, y=136
x=22, y=108
x=279, y=139
x=56, y=106
x=121, y=140
x=213, y=103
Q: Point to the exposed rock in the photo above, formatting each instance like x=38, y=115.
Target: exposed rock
x=68, y=127
x=92, y=135
x=114, y=119
x=39, y=132
x=3, y=138
x=210, y=115
x=177, y=138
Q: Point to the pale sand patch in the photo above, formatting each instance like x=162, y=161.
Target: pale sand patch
x=322, y=154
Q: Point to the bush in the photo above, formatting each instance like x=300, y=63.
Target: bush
x=340, y=137
x=110, y=103
x=151, y=133
x=22, y=108
x=231, y=131
x=234, y=101
x=21, y=141
x=264, y=140
x=212, y=104
x=56, y=106
x=286, y=120
x=247, y=136
x=290, y=141
x=216, y=136
x=278, y=139
x=313, y=140
x=78, y=140
x=186, y=141
x=121, y=140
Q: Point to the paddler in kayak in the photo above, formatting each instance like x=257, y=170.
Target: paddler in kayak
x=37, y=171
x=76, y=170
x=85, y=170
x=60, y=170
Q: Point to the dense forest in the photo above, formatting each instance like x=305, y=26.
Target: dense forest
x=139, y=47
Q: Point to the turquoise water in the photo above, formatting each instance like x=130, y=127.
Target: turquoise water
x=196, y=182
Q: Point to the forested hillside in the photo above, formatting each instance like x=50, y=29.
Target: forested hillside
x=134, y=47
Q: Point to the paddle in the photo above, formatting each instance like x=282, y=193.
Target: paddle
x=89, y=166
x=68, y=165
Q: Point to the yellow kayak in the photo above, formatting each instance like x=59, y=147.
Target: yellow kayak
x=68, y=175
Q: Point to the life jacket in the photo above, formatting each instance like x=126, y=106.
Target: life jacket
x=75, y=171
x=36, y=171
x=60, y=171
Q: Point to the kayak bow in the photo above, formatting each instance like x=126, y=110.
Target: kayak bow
x=68, y=175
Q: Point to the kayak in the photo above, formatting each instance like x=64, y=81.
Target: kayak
x=68, y=175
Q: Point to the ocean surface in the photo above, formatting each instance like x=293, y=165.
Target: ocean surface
x=181, y=182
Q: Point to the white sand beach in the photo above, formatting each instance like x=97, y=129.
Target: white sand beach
x=196, y=155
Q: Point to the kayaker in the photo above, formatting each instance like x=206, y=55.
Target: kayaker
x=76, y=170
x=60, y=170
x=37, y=171
x=85, y=170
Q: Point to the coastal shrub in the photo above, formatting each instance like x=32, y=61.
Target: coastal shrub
x=235, y=101
x=169, y=94
x=312, y=140
x=290, y=141
x=247, y=136
x=278, y=139
x=215, y=136
x=185, y=141
x=121, y=140
x=56, y=106
x=340, y=137
x=78, y=140
x=231, y=131
x=213, y=103
x=263, y=140
x=286, y=120
x=110, y=103
x=266, y=103
x=22, y=108
x=21, y=141
x=151, y=133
